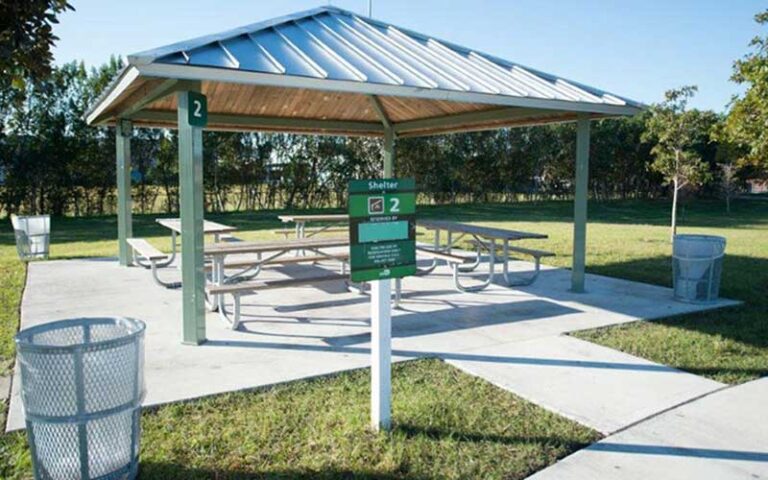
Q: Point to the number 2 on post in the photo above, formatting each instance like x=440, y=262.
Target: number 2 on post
x=198, y=109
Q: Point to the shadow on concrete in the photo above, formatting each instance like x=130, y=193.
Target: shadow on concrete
x=740, y=455
x=470, y=357
x=356, y=301
x=461, y=318
x=451, y=318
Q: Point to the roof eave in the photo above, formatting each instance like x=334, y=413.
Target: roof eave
x=122, y=81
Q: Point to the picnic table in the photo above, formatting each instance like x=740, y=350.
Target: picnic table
x=301, y=221
x=267, y=252
x=483, y=238
x=276, y=252
x=209, y=228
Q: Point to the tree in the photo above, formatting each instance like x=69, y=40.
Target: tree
x=674, y=129
x=26, y=38
x=729, y=183
x=747, y=120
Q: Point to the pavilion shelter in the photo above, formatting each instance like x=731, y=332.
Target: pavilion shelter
x=330, y=71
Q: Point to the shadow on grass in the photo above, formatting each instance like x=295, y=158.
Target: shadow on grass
x=744, y=278
x=435, y=433
x=172, y=471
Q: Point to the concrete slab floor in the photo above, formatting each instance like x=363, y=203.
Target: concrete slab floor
x=721, y=436
x=304, y=332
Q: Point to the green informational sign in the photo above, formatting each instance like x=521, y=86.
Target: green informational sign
x=382, y=228
x=197, y=114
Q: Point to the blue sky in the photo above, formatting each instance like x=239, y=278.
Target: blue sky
x=635, y=48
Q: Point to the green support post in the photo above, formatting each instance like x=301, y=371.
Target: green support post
x=389, y=152
x=123, y=132
x=580, y=204
x=191, y=203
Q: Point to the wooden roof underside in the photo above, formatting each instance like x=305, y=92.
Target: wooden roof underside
x=243, y=107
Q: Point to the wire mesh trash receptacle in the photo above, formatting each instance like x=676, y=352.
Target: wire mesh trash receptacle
x=82, y=384
x=33, y=236
x=697, y=264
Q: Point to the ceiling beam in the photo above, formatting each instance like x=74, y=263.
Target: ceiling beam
x=378, y=107
x=146, y=95
x=467, y=119
x=564, y=117
x=249, y=122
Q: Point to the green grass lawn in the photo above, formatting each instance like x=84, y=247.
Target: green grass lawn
x=442, y=430
x=627, y=239
x=447, y=425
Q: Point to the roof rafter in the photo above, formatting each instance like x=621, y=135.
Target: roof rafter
x=497, y=114
x=378, y=107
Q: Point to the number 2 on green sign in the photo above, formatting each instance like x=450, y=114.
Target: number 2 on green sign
x=198, y=112
x=395, y=205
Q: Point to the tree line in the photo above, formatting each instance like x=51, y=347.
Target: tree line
x=52, y=162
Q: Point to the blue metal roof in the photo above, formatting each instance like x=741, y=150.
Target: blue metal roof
x=332, y=71
x=329, y=43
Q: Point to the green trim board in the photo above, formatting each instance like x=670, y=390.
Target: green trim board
x=382, y=228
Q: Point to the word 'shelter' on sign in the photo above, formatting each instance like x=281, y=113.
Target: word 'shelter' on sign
x=382, y=228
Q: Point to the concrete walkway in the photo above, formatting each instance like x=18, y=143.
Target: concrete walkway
x=721, y=436
x=594, y=385
x=512, y=337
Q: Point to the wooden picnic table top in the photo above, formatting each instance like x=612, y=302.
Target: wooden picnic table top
x=227, y=248
x=208, y=226
x=486, y=232
x=341, y=217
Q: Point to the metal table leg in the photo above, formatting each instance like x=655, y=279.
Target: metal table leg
x=487, y=282
x=173, y=252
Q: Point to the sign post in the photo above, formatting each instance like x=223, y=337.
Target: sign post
x=382, y=243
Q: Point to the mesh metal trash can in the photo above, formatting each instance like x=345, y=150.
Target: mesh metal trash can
x=697, y=264
x=82, y=383
x=33, y=236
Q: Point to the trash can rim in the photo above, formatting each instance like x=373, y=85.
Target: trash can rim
x=22, y=338
x=699, y=236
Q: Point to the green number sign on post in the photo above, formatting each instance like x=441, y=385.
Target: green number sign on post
x=198, y=109
x=382, y=228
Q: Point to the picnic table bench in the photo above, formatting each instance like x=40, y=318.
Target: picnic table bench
x=483, y=238
x=243, y=288
x=143, y=252
x=147, y=256
x=269, y=252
